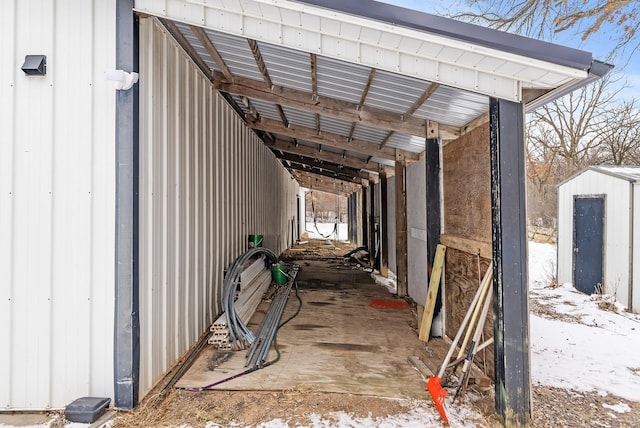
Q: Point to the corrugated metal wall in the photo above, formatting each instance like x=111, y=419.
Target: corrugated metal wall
x=206, y=182
x=56, y=203
x=616, y=225
x=417, y=262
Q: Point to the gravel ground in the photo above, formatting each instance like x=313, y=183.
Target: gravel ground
x=555, y=407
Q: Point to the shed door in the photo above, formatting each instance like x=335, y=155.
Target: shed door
x=588, y=240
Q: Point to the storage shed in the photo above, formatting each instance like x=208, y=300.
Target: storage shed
x=599, y=232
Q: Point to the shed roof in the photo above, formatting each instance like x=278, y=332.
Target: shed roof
x=630, y=173
x=354, y=85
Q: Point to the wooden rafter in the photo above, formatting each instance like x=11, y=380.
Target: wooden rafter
x=257, y=56
x=327, y=189
x=320, y=178
x=319, y=183
x=325, y=172
x=314, y=164
x=414, y=107
x=344, y=110
x=363, y=97
x=336, y=158
x=333, y=140
x=182, y=41
x=212, y=51
x=314, y=74
x=422, y=99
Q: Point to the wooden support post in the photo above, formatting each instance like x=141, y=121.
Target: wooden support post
x=373, y=231
x=384, y=226
x=401, y=226
x=510, y=286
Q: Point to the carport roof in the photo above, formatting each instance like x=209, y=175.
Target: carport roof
x=350, y=87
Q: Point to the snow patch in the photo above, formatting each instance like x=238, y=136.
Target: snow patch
x=618, y=408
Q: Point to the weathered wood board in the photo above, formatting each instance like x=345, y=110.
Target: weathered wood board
x=466, y=178
x=461, y=285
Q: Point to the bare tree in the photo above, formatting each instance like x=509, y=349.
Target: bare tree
x=568, y=130
x=620, y=138
x=542, y=18
x=567, y=135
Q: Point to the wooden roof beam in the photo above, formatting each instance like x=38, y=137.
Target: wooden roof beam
x=328, y=139
x=326, y=189
x=319, y=178
x=317, y=163
x=344, y=110
x=336, y=158
x=326, y=172
x=329, y=188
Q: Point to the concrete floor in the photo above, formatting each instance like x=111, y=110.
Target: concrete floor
x=338, y=343
x=23, y=419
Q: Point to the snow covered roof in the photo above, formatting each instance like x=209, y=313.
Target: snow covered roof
x=630, y=173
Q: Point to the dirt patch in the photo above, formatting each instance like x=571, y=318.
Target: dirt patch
x=555, y=407
x=251, y=408
x=548, y=311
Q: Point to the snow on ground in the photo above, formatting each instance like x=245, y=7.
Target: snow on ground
x=422, y=414
x=327, y=231
x=389, y=283
x=586, y=343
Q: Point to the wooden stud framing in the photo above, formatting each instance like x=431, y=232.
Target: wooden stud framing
x=401, y=227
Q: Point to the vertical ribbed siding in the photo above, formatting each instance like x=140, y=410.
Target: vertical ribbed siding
x=616, y=228
x=206, y=183
x=56, y=204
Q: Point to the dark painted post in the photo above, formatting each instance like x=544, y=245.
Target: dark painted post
x=354, y=217
x=349, y=218
x=373, y=230
x=126, y=325
x=511, y=297
x=433, y=195
x=384, y=227
x=365, y=219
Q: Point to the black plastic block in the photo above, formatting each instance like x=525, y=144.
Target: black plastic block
x=86, y=410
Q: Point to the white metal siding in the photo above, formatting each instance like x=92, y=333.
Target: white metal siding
x=206, y=183
x=635, y=294
x=616, y=233
x=417, y=231
x=57, y=192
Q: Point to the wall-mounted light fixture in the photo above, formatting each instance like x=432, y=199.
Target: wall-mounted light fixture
x=122, y=79
x=35, y=65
